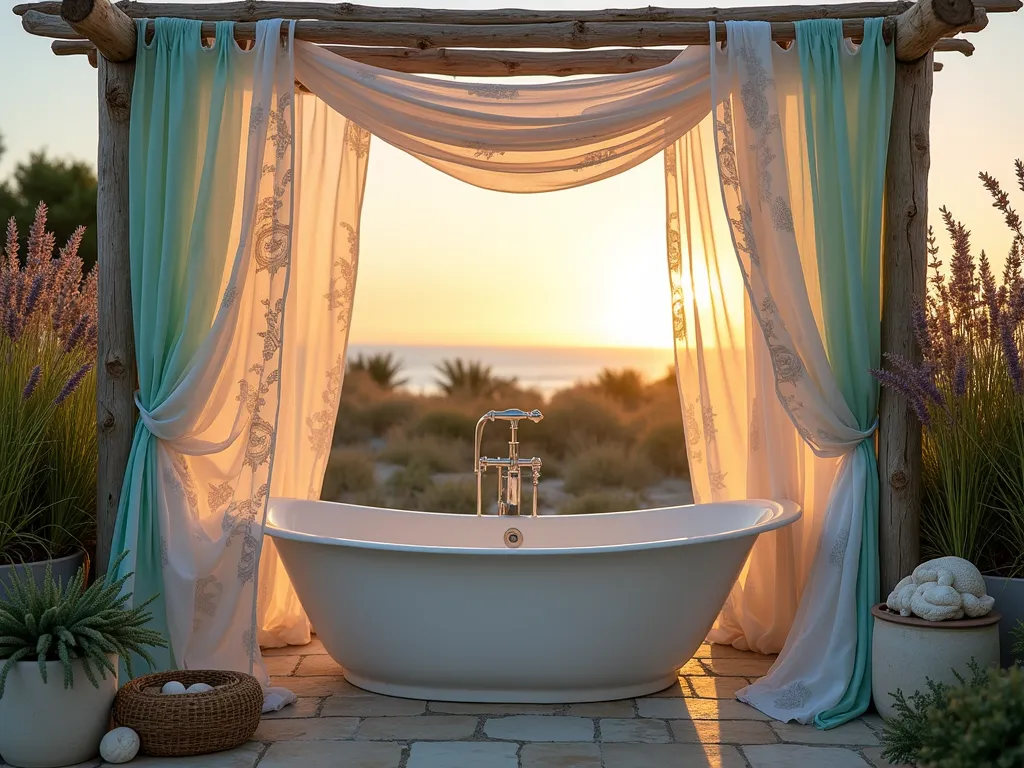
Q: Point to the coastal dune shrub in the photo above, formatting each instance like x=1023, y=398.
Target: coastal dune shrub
x=665, y=448
x=601, y=502
x=574, y=420
x=433, y=453
x=607, y=466
x=447, y=424
x=348, y=471
x=454, y=497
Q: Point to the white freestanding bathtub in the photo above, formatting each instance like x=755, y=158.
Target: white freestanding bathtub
x=515, y=609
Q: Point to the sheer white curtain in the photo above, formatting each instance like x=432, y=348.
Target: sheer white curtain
x=763, y=411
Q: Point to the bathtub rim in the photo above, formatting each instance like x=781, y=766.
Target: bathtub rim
x=787, y=513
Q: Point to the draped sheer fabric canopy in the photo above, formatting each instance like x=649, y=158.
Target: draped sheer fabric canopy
x=244, y=259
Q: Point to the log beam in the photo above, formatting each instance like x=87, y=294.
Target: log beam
x=256, y=10
x=904, y=271
x=926, y=22
x=116, y=371
x=106, y=25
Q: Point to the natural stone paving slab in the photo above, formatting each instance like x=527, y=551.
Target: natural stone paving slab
x=305, y=706
x=636, y=730
x=314, y=646
x=281, y=665
x=245, y=756
x=332, y=754
x=540, y=728
x=622, y=708
x=321, y=664
x=755, y=666
x=716, y=687
x=854, y=733
x=874, y=722
x=790, y=755
x=723, y=732
x=698, y=709
x=472, y=708
x=560, y=756
x=307, y=729
x=671, y=756
x=463, y=754
x=874, y=756
x=678, y=688
x=436, y=728
x=371, y=705
x=318, y=686
x=692, y=667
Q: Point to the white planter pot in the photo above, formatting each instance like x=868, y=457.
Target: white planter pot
x=44, y=725
x=907, y=650
x=1009, y=595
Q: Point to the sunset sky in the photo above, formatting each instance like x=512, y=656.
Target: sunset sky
x=446, y=263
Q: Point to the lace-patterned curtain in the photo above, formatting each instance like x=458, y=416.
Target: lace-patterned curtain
x=767, y=367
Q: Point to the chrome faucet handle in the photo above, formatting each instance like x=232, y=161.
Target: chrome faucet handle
x=514, y=414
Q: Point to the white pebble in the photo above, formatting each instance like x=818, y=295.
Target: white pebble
x=199, y=688
x=172, y=688
x=119, y=745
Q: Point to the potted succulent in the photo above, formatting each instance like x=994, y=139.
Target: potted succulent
x=59, y=647
x=968, y=391
x=48, y=454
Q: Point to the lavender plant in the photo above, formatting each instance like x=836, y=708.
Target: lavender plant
x=48, y=451
x=968, y=392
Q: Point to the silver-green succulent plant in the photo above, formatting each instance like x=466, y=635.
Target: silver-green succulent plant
x=68, y=622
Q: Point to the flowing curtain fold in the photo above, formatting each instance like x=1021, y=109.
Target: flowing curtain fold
x=517, y=138
x=800, y=176
x=211, y=171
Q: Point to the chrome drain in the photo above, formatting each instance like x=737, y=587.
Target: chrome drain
x=513, y=537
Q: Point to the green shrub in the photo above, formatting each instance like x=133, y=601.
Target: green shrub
x=980, y=726
x=360, y=420
x=407, y=485
x=575, y=420
x=435, y=454
x=905, y=732
x=601, y=502
x=606, y=466
x=382, y=369
x=348, y=471
x=446, y=424
x=625, y=387
x=387, y=414
x=665, y=448
x=457, y=497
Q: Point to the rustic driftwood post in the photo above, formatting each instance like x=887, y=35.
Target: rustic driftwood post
x=114, y=36
x=904, y=268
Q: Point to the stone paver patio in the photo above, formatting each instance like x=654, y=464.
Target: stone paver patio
x=693, y=724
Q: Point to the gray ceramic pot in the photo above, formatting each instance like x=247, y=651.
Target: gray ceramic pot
x=64, y=569
x=1009, y=595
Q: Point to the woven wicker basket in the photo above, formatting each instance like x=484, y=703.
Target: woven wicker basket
x=193, y=723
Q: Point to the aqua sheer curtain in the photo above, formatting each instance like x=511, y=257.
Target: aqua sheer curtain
x=847, y=108
x=210, y=170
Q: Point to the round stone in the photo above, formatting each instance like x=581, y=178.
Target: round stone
x=172, y=688
x=199, y=688
x=119, y=745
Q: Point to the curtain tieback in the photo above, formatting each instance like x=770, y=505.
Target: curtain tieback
x=185, y=444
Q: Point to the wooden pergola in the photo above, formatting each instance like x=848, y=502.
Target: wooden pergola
x=487, y=43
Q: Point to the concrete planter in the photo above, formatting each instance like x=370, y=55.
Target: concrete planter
x=906, y=650
x=64, y=569
x=44, y=725
x=1009, y=595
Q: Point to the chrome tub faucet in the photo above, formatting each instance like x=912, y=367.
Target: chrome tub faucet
x=510, y=480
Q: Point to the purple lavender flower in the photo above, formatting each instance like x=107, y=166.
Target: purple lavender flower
x=922, y=332
x=921, y=378
x=906, y=387
x=32, y=299
x=73, y=383
x=33, y=382
x=1011, y=354
x=960, y=375
x=76, y=334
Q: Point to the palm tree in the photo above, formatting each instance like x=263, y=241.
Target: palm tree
x=383, y=369
x=626, y=386
x=473, y=378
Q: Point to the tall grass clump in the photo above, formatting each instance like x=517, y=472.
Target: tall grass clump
x=48, y=452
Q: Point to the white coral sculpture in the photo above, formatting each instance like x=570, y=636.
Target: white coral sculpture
x=942, y=589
